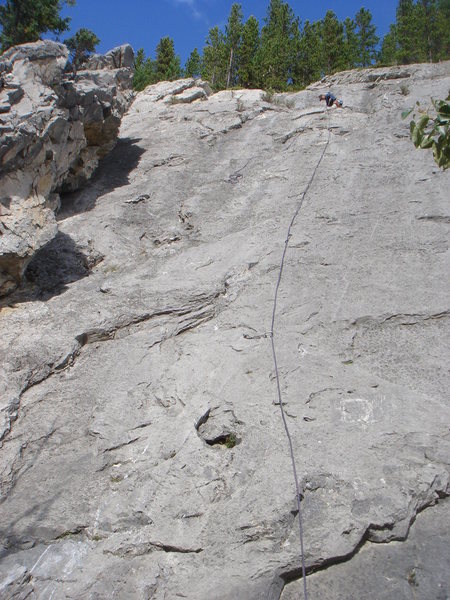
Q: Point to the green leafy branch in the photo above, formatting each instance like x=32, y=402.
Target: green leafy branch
x=432, y=131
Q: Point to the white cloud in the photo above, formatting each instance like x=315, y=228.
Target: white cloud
x=192, y=4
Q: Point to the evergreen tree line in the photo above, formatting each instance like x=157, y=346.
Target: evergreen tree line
x=421, y=33
x=281, y=54
x=284, y=53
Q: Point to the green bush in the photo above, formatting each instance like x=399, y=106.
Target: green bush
x=81, y=46
x=432, y=130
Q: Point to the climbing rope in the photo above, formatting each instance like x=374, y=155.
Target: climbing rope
x=277, y=375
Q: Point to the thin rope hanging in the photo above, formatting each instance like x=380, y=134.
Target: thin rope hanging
x=274, y=354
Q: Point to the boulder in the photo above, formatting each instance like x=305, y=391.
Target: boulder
x=183, y=90
x=45, y=61
x=55, y=126
x=121, y=57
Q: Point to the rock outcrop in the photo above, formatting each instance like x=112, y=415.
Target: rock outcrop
x=143, y=454
x=54, y=126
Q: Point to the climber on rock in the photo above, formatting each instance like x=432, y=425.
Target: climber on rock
x=331, y=100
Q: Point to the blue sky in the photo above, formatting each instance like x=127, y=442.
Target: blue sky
x=143, y=22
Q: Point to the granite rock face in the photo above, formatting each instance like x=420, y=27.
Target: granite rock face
x=54, y=126
x=143, y=454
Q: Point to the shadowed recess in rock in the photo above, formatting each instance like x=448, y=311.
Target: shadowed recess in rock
x=59, y=263
x=112, y=173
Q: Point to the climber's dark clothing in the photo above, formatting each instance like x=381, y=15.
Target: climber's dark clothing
x=329, y=98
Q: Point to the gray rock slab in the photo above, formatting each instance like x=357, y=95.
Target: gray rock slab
x=143, y=454
x=416, y=568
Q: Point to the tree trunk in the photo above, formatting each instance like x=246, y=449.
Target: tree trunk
x=230, y=64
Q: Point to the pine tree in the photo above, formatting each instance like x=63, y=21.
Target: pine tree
x=309, y=64
x=248, y=64
x=389, y=48
x=280, y=38
x=332, y=43
x=421, y=33
x=26, y=20
x=144, y=71
x=233, y=34
x=81, y=45
x=193, y=67
x=367, y=38
x=442, y=31
x=214, y=67
x=351, y=46
x=434, y=18
x=410, y=47
x=167, y=62
x=426, y=17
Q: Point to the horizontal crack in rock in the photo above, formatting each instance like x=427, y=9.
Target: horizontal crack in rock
x=202, y=309
x=122, y=445
x=285, y=138
x=435, y=218
x=148, y=547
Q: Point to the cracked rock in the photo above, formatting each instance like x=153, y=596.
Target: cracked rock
x=142, y=450
x=56, y=128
